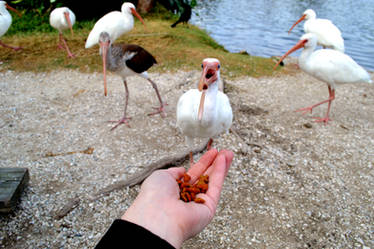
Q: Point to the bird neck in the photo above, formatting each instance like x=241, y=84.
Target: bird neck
x=212, y=90
x=210, y=102
x=112, y=60
x=304, y=56
x=128, y=17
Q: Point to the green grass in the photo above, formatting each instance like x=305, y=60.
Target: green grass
x=180, y=48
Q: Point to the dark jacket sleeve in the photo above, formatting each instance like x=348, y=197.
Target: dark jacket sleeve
x=124, y=234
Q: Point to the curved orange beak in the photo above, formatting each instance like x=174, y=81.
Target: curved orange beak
x=208, y=76
x=104, y=48
x=13, y=9
x=297, y=22
x=298, y=45
x=67, y=17
x=133, y=11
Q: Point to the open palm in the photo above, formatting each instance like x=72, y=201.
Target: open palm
x=159, y=209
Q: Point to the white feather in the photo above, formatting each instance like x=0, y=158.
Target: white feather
x=115, y=23
x=5, y=19
x=217, y=115
x=58, y=21
x=328, y=35
x=330, y=66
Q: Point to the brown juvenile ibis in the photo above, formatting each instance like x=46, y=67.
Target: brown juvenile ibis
x=127, y=60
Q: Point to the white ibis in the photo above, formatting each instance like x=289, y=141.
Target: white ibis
x=328, y=35
x=5, y=22
x=61, y=19
x=204, y=112
x=127, y=60
x=115, y=23
x=330, y=66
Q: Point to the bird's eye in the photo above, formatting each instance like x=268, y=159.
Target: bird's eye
x=202, y=66
x=219, y=66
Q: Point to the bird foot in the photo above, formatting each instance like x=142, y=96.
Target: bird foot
x=192, y=163
x=159, y=110
x=319, y=120
x=59, y=46
x=70, y=55
x=191, y=159
x=305, y=110
x=123, y=120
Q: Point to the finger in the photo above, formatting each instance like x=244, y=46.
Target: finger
x=229, y=155
x=176, y=172
x=217, y=175
x=201, y=166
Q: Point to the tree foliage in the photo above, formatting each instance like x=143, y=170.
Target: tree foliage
x=83, y=9
x=177, y=6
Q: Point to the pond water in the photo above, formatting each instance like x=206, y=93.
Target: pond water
x=260, y=26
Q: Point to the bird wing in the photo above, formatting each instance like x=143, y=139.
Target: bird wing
x=57, y=18
x=5, y=21
x=225, y=115
x=333, y=66
x=139, y=59
x=327, y=33
x=72, y=17
x=187, y=109
x=113, y=23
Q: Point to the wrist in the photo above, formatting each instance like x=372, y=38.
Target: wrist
x=155, y=220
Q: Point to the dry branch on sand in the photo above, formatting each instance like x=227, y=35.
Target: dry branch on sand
x=163, y=163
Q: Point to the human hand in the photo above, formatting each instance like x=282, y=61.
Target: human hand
x=159, y=209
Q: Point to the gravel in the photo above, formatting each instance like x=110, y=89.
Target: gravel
x=293, y=183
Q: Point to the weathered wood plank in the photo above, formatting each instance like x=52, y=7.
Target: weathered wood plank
x=12, y=183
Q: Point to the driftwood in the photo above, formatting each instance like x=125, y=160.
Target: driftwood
x=163, y=163
x=69, y=206
x=233, y=131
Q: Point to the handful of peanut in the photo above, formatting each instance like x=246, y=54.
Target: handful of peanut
x=188, y=191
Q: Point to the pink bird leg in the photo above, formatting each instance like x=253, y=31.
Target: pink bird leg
x=61, y=38
x=191, y=159
x=310, y=108
x=159, y=110
x=8, y=46
x=124, y=119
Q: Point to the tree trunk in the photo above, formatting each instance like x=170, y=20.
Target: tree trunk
x=144, y=6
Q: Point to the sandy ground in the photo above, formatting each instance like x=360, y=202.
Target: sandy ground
x=293, y=183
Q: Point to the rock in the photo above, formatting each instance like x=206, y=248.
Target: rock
x=244, y=52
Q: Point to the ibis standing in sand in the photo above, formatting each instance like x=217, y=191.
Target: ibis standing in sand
x=61, y=19
x=115, y=23
x=127, y=60
x=204, y=112
x=5, y=22
x=328, y=35
x=330, y=66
